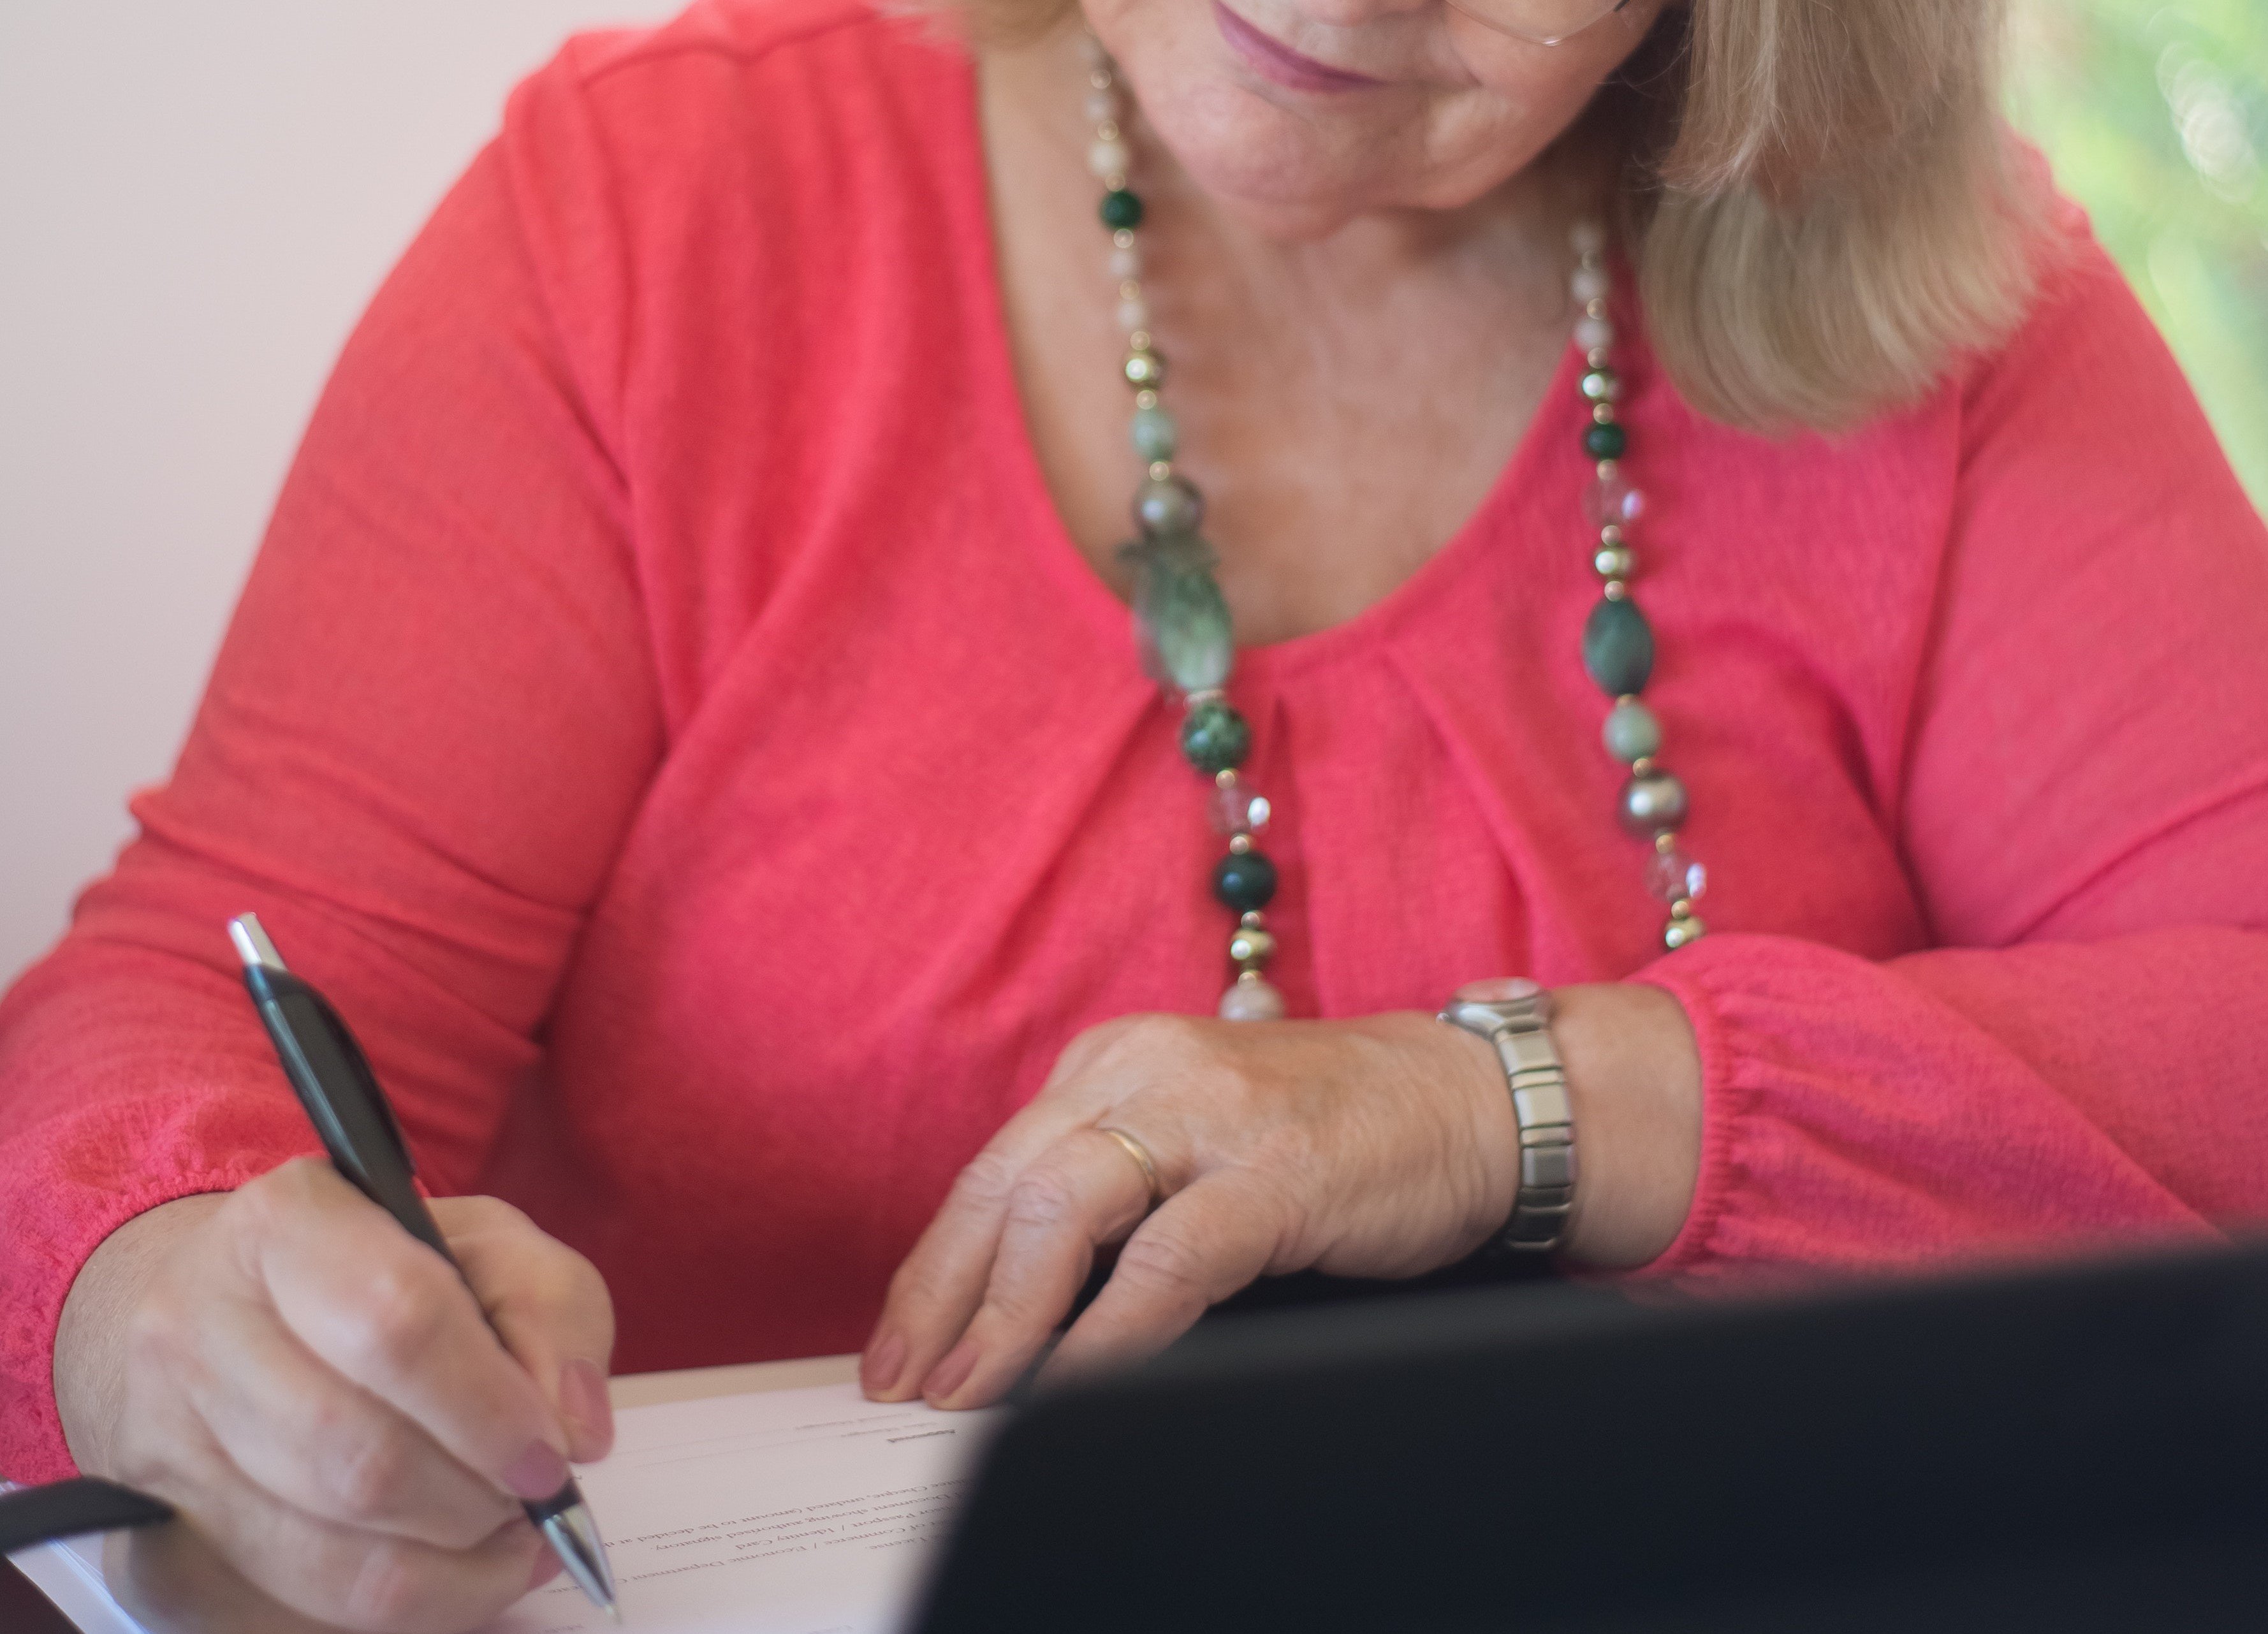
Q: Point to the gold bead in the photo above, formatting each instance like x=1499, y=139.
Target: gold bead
x=1603, y=413
x=1146, y=399
x=1123, y=238
x=1643, y=765
x=1682, y=908
x=1666, y=841
x=1108, y=130
x=1614, y=589
x=1611, y=533
x=1226, y=779
x=1254, y=920
x=1161, y=470
x=1239, y=843
x=1251, y=947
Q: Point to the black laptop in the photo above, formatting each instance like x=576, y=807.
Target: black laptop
x=2075, y=1449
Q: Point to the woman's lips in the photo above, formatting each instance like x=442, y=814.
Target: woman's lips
x=1272, y=60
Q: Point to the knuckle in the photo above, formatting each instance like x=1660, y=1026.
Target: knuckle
x=1042, y=1199
x=1164, y=1259
x=401, y=1317
x=988, y=1179
x=368, y=1471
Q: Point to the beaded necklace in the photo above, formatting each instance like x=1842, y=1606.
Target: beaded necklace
x=1182, y=626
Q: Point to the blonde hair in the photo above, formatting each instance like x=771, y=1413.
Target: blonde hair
x=1826, y=208
x=1823, y=205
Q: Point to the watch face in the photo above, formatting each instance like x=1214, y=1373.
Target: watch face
x=1499, y=991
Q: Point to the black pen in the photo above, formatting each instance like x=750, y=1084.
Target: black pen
x=334, y=1084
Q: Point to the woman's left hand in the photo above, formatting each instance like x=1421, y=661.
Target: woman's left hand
x=1378, y=1147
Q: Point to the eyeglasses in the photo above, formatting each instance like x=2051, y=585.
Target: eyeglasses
x=1542, y=22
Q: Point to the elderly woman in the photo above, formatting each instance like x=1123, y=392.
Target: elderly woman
x=687, y=713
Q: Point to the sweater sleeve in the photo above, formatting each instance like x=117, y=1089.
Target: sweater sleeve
x=2085, y=815
x=431, y=719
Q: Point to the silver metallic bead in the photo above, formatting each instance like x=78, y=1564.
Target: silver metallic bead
x=1683, y=933
x=1651, y=803
x=1146, y=371
x=1614, y=562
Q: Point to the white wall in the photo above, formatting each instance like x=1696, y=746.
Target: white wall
x=196, y=197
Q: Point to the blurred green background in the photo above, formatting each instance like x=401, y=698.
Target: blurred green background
x=2155, y=116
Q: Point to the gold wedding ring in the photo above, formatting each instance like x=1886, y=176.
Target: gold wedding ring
x=1140, y=1153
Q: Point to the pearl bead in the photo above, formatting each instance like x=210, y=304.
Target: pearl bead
x=1101, y=108
x=1251, y=997
x=1107, y=159
x=1590, y=283
x=1588, y=238
x=1133, y=314
x=1614, y=562
x=1595, y=334
x=1126, y=263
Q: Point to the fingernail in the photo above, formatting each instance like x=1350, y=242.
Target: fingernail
x=538, y=1472
x=548, y=1567
x=879, y=1369
x=583, y=1392
x=951, y=1373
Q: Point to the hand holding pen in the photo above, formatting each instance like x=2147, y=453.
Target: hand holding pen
x=318, y=1393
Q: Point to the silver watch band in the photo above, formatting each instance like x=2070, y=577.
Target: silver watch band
x=1516, y=1017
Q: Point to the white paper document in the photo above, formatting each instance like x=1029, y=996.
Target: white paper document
x=793, y=1512
x=785, y=1511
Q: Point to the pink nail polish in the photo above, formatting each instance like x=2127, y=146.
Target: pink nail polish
x=536, y=1472
x=583, y=1392
x=879, y=1369
x=951, y=1373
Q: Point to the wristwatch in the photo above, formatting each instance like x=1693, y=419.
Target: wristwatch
x=1515, y=1016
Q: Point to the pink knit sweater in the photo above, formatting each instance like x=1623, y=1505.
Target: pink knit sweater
x=670, y=719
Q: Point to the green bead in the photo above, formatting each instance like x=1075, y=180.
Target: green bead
x=1156, y=437
x=1606, y=442
x=1181, y=619
x=1631, y=732
x=1245, y=882
x=1618, y=647
x=1121, y=211
x=1215, y=739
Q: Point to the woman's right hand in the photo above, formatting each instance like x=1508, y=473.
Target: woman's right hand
x=315, y=1391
